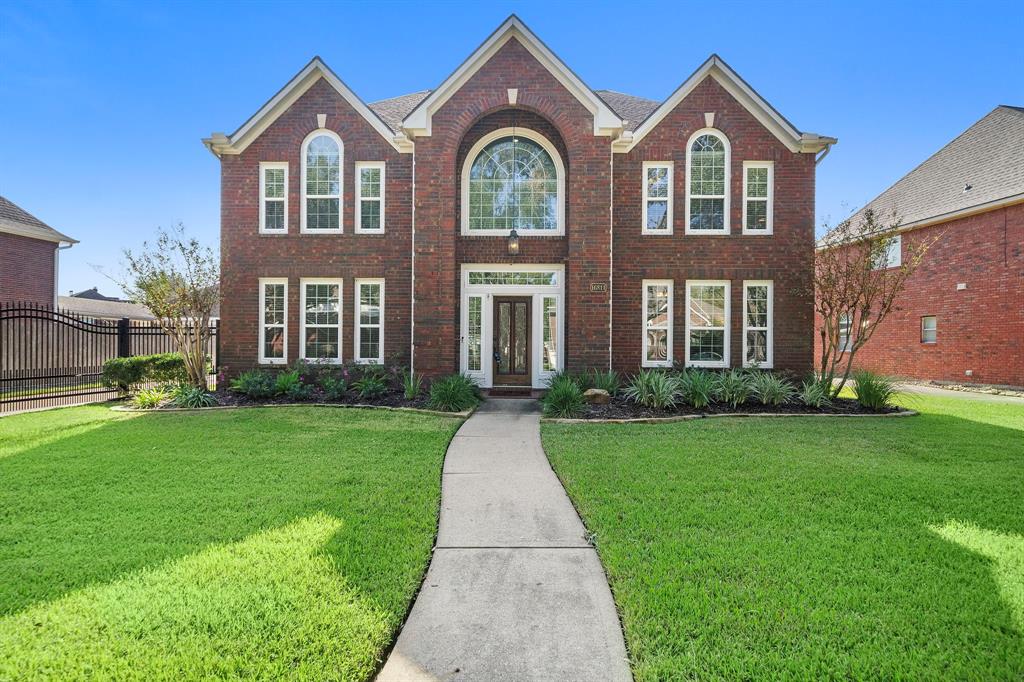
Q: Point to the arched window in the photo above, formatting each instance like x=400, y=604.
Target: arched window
x=513, y=180
x=321, y=182
x=707, y=183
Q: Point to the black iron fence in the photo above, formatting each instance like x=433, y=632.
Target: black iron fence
x=51, y=357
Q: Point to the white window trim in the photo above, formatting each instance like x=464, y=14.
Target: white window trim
x=302, y=317
x=646, y=198
x=265, y=165
x=690, y=283
x=728, y=181
x=360, y=165
x=770, y=329
x=894, y=247
x=556, y=158
x=358, y=326
x=769, y=223
x=845, y=347
x=341, y=183
x=667, y=362
x=934, y=329
x=262, y=329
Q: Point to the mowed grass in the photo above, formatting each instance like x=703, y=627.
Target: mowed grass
x=811, y=547
x=259, y=543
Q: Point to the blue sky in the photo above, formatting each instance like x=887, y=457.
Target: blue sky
x=104, y=104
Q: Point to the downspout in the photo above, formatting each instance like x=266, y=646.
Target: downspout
x=611, y=246
x=61, y=246
x=412, y=280
x=823, y=154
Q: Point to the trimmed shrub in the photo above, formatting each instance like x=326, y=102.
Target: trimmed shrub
x=186, y=395
x=151, y=398
x=371, y=385
x=771, y=389
x=734, y=387
x=124, y=373
x=815, y=393
x=653, y=388
x=697, y=387
x=412, y=384
x=334, y=387
x=256, y=383
x=873, y=391
x=564, y=397
x=606, y=381
x=454, y=393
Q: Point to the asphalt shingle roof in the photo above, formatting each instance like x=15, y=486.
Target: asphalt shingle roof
x=16, y=220
x=393, y=110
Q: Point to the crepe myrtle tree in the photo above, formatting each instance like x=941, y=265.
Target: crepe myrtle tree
x=856, y=286
x=178, y=279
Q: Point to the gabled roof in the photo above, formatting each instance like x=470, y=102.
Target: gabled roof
x=16, y=220
x=630, y=108
x=219, y=143
x=606, y=121
x=771, y=119
x=988, y=157
x=394, y=109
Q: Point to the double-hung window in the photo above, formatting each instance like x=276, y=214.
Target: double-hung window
x=707, y=183
x=845, y=329
x=370, y=190
x=707, y=322
x=369, y=336
x=929, y=329
x=273, y=197
x=321, y=320
x=657, y=218
x=757, y=324
x=321, y=182
x=273, y=348
x=889, y=253
x=657, y=340
x=758, y=191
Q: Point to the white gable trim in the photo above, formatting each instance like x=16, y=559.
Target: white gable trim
x=236, y=143
x=606, y=122
x=771, y=119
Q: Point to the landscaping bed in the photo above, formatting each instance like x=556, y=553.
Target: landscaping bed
x=620, y=407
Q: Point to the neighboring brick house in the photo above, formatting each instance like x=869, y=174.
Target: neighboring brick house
x=512, y=222
x=961, y=316
x=29, y=256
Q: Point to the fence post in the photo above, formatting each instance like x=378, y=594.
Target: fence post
x=124, y=339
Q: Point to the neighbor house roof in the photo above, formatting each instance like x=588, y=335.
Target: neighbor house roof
x=94, y=294
x=16, y=220
x=104, y=309
x=982, y=168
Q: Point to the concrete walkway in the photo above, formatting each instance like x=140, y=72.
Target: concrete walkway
x=514, y=591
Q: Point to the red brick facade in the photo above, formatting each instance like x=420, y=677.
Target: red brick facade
x=980, y=327
x=26, y=269
x=602, y=323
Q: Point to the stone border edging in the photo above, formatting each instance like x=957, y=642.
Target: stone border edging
x=689, y=417
x=465, y=414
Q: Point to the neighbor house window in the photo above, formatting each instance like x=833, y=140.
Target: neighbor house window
x=474, y=331
x=273, y=197
x=273, y=321
x=757, y=324
x=707, y=184
x=321, y=182
x=657, y=340
x=321, y=320
x=513, y=179
x=657, y=218
x=845, y=327
x=758, y=180
x=549, y=327
x=929, y=329
x=890, y=255
x=370, y=190
x=369, y=335
x=707, y=323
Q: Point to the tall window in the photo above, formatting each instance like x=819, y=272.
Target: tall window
x=929, y=329
x=707, y=183
x=273, y=321
x=370, y=190
x=758, y=194
x=321, y=320
x=845, y=328
x=321, y=182
x=707, y=321
x=549, y=327
x=757, y=324
x=273, y=196
x=657, y=342
x=474, y=331
x=369, y=335
x=657, y=218
x=513, y=181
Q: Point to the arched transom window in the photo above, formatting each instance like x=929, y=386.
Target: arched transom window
x=708, y=183
x=321, y=182
x=513, y=182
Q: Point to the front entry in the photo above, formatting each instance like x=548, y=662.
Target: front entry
x=512, y=336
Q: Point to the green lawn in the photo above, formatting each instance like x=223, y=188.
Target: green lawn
x=811, y=547
x=249, y=543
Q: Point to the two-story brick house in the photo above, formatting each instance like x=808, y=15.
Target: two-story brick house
x=513, y=222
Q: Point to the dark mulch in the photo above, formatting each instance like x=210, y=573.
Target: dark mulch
x=620, y=408
x=391, y=399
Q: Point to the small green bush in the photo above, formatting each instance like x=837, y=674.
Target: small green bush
x=734, y=387
x=151, y=398
x=564, y=397
x=606, y=381
x=771, y=389
x=873, y=391
x=653, y=388
x=256, y=383
x=299, y=391
x=371, y=385
x=334, y=387
x=287, y=381
x=412, y=384
x=124, y=373
x=815, y=394
x=454, y=393
x=697, y=387
x=192, y=397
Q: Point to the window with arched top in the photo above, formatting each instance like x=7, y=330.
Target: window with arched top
x=513, y=179
x=322, y=154
x=707, y=183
